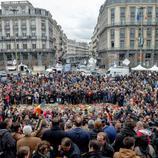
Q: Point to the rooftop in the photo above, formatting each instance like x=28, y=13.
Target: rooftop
x=15, y=2
x=109, y=2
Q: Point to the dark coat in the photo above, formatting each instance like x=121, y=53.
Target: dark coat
x=93, y=154
x=73, y=153
x=125, y=132
x=94, y=132
x=8, y=144
x=80, y=137
x=107, y=150
x=54, y=137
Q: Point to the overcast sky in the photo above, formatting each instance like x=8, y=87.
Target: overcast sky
x=77, y=17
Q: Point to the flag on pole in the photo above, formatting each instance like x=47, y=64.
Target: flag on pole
x=137, y=15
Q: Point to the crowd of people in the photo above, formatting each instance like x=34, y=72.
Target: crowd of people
x=93, y=116
x=75, y=88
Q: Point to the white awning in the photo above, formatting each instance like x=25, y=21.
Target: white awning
x=139, y=68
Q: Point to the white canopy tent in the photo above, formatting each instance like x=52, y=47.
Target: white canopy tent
x=154, y=68
x=139, y=68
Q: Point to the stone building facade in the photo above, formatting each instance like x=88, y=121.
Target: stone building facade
x=26, y=34
x=121, y=25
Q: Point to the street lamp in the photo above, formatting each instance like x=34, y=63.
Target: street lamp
x=16, y=56
x=140, y=38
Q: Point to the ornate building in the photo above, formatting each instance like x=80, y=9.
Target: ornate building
x=26, y=34
x=128, y=29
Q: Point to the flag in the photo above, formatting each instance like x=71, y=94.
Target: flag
x=137, y=15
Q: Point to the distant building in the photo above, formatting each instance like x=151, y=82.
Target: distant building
x=127, y=29
x=59, y=40
x=26, y=34
x=77, y=52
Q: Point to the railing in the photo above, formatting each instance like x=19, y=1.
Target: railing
x=135, y=2
x=26, y=50
x=125, y=24
x=128, y=48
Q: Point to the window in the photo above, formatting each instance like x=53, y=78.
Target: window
x=141, y=32
x=149, y=11
x=122, y=43
x=16, y=34
x=149, y=32
x=24, y=34
x=43, y=34
x=112, y=16
x=148, y=43
x=112, y=32
x=132, y=32
x=121, y=56
x=43, y=46
x=122, y=12
x=131, y=43
x=25, y=46
x=141, y=12
x=132, y=14
x=156, y=14
x=23, y=24
x=23, y=10
x=33, y=22
x=147, y=55
x=112, y=44
x=33, y=46
x=122, y=15
x=17, y=46
x=156, y=32
x=122, y=33
x=156, y=43
x=7, y=25
x=8, y=46
x=149, y=15
x=33, y=33
x=7, y=34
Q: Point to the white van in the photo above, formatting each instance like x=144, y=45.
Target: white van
x=118, y=71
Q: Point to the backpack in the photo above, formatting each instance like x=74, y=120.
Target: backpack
x=2, y=148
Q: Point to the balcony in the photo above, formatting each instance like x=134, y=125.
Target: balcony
x=7, y=27
x=15, y=27
x=43, y=27
x=131, y=23
x=44, y=37
x=34, y=37
x=23, y=27
x=33, y=27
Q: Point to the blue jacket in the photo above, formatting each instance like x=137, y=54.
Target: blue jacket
x=80, y=137
x=111, y=132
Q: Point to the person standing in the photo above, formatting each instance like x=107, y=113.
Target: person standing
x=7, y=142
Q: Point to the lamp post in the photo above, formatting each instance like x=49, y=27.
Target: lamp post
x=140, y=38
x=16, y=56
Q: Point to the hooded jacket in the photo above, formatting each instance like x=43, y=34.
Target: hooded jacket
x=125, y=132
x=8, y=144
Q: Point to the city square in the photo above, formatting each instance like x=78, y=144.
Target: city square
x=79, y=86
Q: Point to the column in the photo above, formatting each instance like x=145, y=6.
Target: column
x=30, y=59
x=117, y=38
x=5, y=58
x=11, y=28
x=39, y=59
x=117, y=15
x=21, y=57
x=152, y=57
